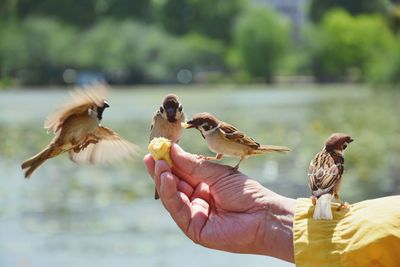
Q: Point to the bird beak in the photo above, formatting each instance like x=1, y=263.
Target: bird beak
x=106, y=105
x=351, y=140
x=187, y=125
x=170, y=112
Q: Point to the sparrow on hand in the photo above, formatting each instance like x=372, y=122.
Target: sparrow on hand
x=224, y=139
x=325, y=175
x=167, y=122
x=78, y=131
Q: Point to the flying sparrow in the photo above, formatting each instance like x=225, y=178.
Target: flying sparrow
x=167, y=122
x=325, y=175
x=78, y=131
x=224, y=139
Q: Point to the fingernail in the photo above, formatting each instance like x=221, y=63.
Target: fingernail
x=166, y=174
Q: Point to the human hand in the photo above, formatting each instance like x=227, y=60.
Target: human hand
x=223, y=209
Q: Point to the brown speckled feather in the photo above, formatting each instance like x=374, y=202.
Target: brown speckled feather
x=82, y=101
x=233, y=134
x=324, y=172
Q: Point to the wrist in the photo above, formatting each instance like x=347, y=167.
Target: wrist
x=278, y=228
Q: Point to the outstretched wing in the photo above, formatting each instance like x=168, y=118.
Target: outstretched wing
x=83, y=99
x=323, y=174
x=233, y=134
x=110, y=147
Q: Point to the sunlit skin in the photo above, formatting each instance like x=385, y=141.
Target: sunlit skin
x=221, y=209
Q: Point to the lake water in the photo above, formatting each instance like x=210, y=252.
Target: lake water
x=70, y=215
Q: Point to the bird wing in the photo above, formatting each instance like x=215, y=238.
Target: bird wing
x=109, y=148
x=156, y=116
x=153, y=121
x=83, y=100
x=233, y=134
x=323, y=173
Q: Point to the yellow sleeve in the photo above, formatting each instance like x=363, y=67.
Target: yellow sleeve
x=364, y=234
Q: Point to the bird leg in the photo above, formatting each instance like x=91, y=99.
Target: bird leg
x=90, y=139
x=75, y=145
x=217, y=157
x=343, y=205
x=237, y=165
x=313, y=200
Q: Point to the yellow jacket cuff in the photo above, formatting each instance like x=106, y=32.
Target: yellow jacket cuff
x=364, y=234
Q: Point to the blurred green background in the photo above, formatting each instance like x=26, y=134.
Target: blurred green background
x=45, y=42
x=285, y=72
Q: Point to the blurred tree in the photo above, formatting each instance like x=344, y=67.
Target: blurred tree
x=343, y=46
x=81, y=13
x=319, y=8
x=7, y=8
x=76, y=12
x=156, y=58
x=394, y=18
x=37, y=50
x=261, y=38
x=212, y=18
x=385, y=70
x=121, y=9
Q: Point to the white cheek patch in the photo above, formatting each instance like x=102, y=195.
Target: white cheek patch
x=92, y=113
x=207, y=132
x=340, y=152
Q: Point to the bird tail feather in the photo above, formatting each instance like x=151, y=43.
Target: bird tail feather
x=323, y=209
x=270, y=148
x=31, y=164
x=156, y=195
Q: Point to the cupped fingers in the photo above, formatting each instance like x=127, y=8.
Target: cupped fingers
x=150, y=165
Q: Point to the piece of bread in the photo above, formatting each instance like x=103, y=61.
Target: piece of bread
x=159, y=149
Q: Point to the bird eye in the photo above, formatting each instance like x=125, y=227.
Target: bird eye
x=180, y=108
x=161, y=109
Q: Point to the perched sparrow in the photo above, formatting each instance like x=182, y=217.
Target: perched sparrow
x=78, y=132
x=167, y=122
x=325, y=174
x=224, y=139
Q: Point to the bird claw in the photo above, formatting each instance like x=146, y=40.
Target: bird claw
x=216, y=157
x=86, y=144
x=201, y=157
x=234, y=169
x=343, y=205
x=313, y=200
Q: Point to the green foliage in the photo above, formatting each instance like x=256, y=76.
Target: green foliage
x=122, y=9
x=133, y=53
x=197, y=51
x=212, y=18
x=156, y=57
x=261, y=38
x=343, y=47
x=81, y=13
x=394, y=18
x=151, y=41
x=76, y=12
x=385, y=70
x=34, y=47
x=319, y=8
